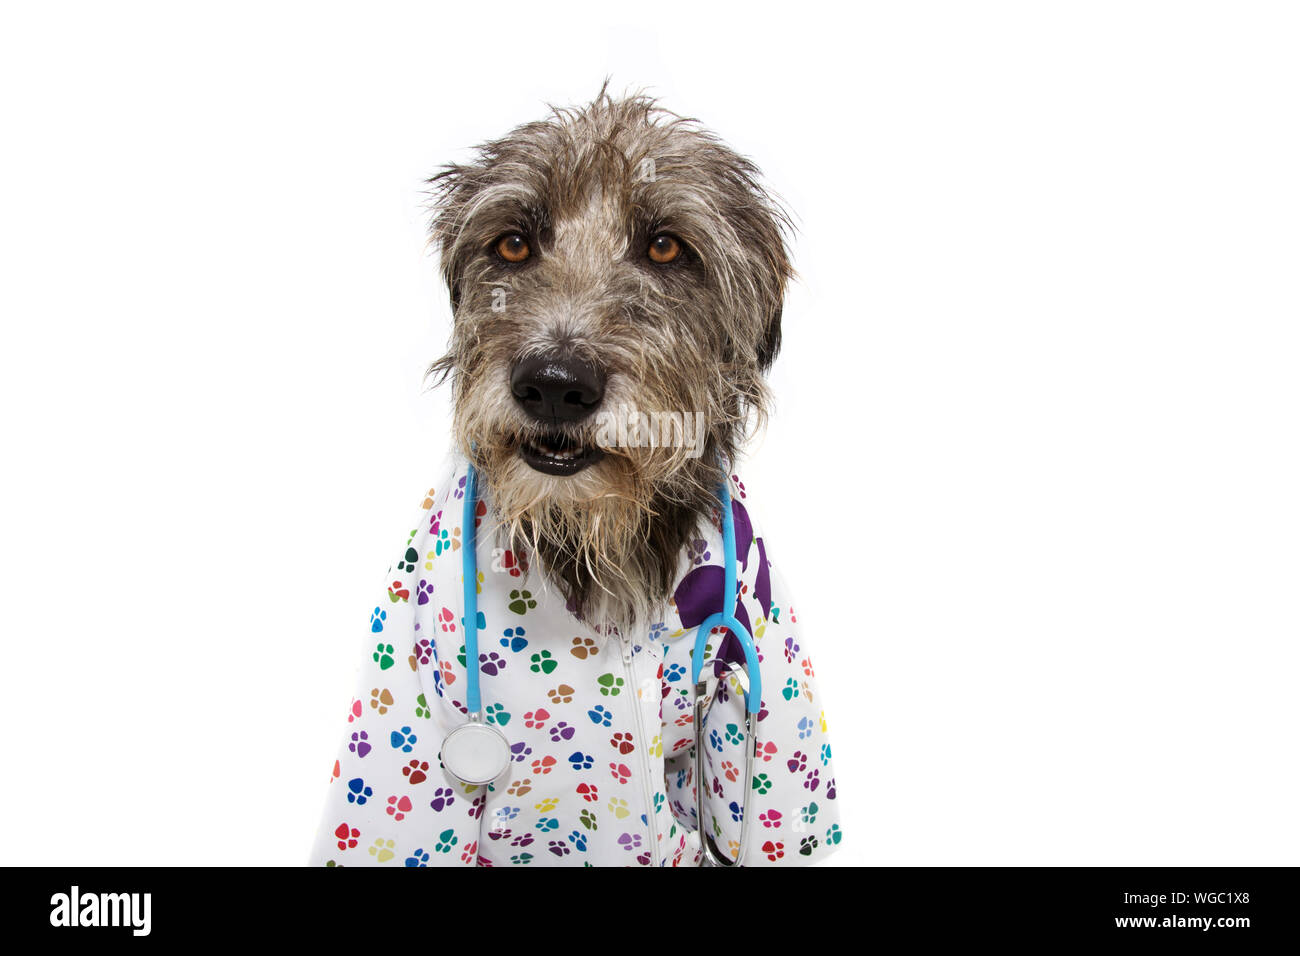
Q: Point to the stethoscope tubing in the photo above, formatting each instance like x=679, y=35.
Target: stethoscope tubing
x=469, y=567
x=726, y=617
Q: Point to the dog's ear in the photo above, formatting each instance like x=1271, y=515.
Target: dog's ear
x=776, y=274
x=453, y=290
x=763, y=227
x=770, y=344
x=447, y=189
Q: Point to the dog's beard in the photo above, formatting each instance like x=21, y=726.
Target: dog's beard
x=610, y=537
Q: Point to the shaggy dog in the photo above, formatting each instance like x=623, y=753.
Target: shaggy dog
x=616, y=275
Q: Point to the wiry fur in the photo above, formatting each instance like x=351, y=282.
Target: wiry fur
x=694, y=335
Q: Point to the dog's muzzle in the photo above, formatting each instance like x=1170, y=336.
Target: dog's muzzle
x=558, y=392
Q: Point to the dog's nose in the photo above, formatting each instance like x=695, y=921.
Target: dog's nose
x=550, y=388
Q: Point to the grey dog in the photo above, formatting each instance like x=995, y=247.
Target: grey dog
x=610, y=256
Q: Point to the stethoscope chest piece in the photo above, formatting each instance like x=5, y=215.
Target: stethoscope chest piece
x=476, y=753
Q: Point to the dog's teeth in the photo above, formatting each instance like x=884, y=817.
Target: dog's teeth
x=559, y=454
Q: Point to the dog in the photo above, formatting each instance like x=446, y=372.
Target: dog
x=616, y=276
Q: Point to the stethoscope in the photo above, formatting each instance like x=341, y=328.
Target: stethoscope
x=477, y=753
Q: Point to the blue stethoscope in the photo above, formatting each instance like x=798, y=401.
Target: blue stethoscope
x=477, y=753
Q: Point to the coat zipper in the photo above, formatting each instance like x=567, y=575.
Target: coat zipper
x=643, y=749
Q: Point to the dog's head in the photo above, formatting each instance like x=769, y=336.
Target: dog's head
x=616, y=275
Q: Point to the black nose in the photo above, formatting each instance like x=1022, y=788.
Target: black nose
x=553, y=389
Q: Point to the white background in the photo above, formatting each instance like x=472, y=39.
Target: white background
x=1035, y=452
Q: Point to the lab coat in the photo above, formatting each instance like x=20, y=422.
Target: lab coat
x=600, y=725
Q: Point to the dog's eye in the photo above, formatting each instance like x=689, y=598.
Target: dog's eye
x=513, y=247
x=664, y=248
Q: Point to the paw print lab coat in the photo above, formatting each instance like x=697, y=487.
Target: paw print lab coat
x=600, y=725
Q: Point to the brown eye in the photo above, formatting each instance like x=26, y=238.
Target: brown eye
x=513, y=247
x=664, y=248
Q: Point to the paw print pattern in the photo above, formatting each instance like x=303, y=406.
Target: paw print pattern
x=383, y=656
x=424, y=592
x=402, y=740
x=383, y=850
x=421, y=654
x=513, y=564
x=561, y=695
x=347, y=836
x=583, y=647
x=609, y=685
x=446, y=840
x=542, y=663
x=377, y=618
x=358, y=792
x=521, y=602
